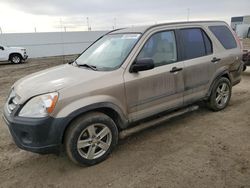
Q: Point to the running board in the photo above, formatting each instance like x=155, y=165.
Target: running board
x=155, y=122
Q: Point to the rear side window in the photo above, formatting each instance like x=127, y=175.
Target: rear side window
x=224, y=35
x=195, y=43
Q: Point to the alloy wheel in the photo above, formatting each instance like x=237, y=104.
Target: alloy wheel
x=94, y=141
x=222, y=94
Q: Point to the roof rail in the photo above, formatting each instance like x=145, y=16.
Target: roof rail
x=184, y=22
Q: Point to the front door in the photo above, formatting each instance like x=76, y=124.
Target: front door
x=2, y=54
x=159, y=89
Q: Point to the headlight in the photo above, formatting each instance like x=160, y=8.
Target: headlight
x=11, y=94
x=40, y=106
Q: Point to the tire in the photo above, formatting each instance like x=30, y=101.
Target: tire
x=220, y=95
x=244, y=68
x=16, y=58
x=91, y=138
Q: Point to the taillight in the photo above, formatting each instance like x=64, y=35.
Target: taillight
x=238, y=41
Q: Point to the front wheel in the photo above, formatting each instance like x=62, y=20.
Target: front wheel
x=16, y=58
x=220, y=95
x=91, y=138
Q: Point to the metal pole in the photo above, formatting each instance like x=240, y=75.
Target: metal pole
x=188, y=14
x=62, y=41
x=88, y=24
x=114, y=23
x=61, y=25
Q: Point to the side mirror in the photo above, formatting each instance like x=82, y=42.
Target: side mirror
x=1, y=48
x=142, y=65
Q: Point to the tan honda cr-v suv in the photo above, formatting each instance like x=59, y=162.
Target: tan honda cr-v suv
x=126, y=77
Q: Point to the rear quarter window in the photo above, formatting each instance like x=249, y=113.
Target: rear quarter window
x=224, y=35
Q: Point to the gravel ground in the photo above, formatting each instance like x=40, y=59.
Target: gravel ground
x=199, y=149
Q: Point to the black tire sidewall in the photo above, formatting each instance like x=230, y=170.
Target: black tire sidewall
x=244, y=68
x=212, y=101
x=75, y=131
x=16, y=55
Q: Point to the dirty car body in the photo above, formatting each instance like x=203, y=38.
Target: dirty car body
x=125, y=77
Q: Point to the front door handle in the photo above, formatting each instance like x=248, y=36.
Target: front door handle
x=215, y=60
x=176, y=69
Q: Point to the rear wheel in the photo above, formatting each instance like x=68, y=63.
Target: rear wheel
x=16, y=58
x=91, y=138
x=220, y=95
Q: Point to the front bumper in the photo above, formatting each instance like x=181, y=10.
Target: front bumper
x=247, y=63
x=38, y=135
x=25, y=57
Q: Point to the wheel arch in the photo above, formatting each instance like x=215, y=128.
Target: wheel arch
x=111, y=110
x=15, y=53
x=224, y=74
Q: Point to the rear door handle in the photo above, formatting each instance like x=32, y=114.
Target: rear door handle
x=215, y=60
x=176, y=69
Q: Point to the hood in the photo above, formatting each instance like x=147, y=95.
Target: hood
x=15, y=48
x=53, y=79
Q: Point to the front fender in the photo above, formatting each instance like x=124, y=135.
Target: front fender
x=89, y=103
x=71, y=111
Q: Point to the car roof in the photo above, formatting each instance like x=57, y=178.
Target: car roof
x=142, y=29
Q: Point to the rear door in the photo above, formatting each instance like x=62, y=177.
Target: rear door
x=230, y=53
x=196, y=53
x=153, y=91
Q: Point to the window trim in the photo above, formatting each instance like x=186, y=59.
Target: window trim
x=181, y=42
x=212, y=48
x=149, y=37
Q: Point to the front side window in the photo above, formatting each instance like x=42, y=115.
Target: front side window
x=109, y=52
x=161, y=48
x=224, y=35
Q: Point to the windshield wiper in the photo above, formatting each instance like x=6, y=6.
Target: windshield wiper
x=73, y=63
x=87, y=66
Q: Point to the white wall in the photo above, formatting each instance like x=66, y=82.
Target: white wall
x=51, y=44
x=246, y=20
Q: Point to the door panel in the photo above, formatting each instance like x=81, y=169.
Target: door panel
x=197, y=53
x=153, y=91
x=197, y=74
x=159, y=89
x=3, y=55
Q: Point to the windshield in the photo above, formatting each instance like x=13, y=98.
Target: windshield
x=109, y=52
